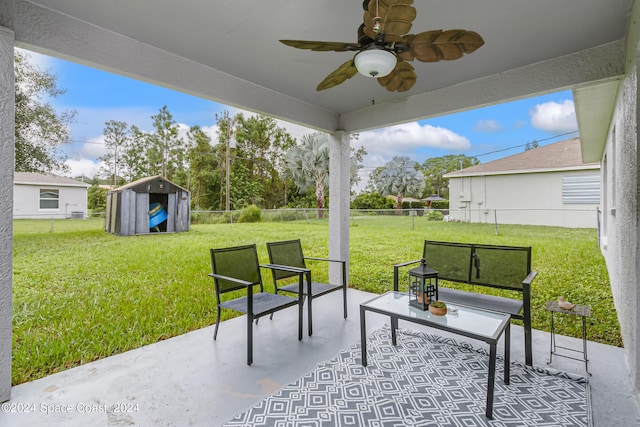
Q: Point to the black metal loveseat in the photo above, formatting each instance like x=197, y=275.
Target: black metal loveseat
x=502, y=267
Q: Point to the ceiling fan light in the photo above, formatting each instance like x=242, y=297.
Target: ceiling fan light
x=375, y=62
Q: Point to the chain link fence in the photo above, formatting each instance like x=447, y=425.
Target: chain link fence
x=573, y=218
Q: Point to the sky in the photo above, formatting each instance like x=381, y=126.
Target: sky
x=488, y=133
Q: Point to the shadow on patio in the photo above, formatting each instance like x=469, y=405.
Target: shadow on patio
x=192, y=380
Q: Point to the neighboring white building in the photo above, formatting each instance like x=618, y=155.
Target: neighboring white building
x=547, y=185
x=37, y=195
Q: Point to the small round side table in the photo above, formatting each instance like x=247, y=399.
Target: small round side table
x=582, y=311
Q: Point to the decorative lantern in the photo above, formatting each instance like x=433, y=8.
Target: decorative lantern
x=423, y=286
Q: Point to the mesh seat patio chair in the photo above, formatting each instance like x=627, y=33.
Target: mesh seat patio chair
x=289, y=253
x=236, y=269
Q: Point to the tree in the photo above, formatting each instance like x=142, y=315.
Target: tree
x=116, y=138
x=357, y=157
x=434, y=168
x=226, y=133
x=165, y=147
x=39, y=129
x=260, y=150
x=374, y=183
x=203, y=161
x=134, y=162
x=97, y=198
x=307, y=165
x=401, y=177
x=255, y=161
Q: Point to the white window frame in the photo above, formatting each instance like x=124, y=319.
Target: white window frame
x=49, y=199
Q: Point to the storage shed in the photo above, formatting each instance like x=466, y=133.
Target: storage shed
x=148, y=205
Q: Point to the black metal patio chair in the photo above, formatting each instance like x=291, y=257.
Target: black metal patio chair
x=289, y=253
x=236, y=269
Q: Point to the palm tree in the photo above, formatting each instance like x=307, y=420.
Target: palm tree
x=400, y=176
x=307, y=165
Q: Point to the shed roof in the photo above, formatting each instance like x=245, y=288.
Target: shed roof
x=563, y=155
x=140, y=184
x=36, y=178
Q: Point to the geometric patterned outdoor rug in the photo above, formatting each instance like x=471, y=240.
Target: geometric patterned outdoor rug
x=425, y=380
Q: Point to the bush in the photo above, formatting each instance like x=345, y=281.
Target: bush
x=371, y=200
x=440, y=204
x=251, y=213
x=435, y=216
x=412, y=205
x=210, y=217
x=278, y=215
x=199, y=217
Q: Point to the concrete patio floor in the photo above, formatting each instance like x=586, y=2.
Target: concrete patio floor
x=191, y=380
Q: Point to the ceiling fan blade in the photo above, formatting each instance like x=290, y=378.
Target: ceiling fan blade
x=322, y=46
x=397, y=17
x=401, y=79
x=438, y=45
x=340, y=75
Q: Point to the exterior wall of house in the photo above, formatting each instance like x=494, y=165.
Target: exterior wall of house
x=7, y=156
x=27, y=201
x=520, y=198
x=619, y=230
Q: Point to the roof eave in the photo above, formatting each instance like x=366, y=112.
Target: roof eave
x=594, y=106
x=591, y=166
x=51, y=184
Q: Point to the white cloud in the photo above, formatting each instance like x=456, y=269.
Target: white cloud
x=403, y=140
x=554, y=117
x=487, y=126
x=212, y=132
x=295, y=130
x=82, y=167
x=93, y=148
x=183, y=130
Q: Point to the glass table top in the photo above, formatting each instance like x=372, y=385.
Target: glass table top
x=469, y=319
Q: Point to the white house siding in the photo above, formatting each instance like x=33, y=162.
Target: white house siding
x=26, y=201
x=534, y=198
x=620, y=234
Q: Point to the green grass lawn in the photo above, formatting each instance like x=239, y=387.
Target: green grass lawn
x=80, y=294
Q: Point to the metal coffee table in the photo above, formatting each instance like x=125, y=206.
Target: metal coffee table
x=483, y=325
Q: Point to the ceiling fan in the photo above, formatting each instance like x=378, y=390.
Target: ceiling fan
x=384, y=46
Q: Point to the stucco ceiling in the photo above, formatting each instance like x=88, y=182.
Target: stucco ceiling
x=228, y=51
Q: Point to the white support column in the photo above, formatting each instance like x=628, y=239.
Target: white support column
x=339, y=201
x=7, y=155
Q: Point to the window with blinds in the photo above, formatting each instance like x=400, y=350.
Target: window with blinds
x=49, y=199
